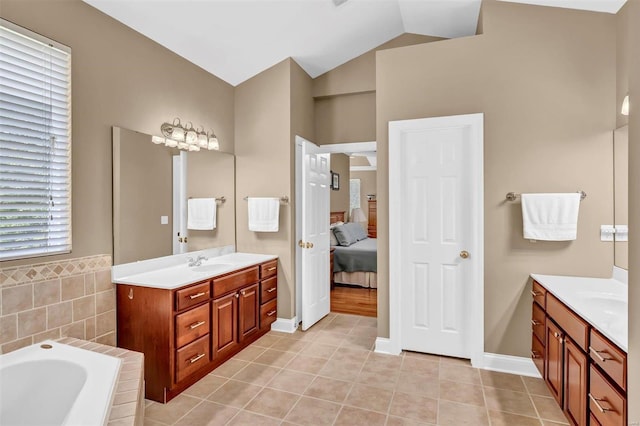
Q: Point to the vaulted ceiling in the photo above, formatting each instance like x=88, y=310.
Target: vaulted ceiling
x=237, y=39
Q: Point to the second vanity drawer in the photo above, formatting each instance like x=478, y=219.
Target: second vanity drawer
x=538, y=322
x=605, y=403
x=234, y=281
x=572, y=324
x=193, y=295
x=192, y=357
x=268, y=289
x=192, y=324
x=608, y=357
x=268, y=313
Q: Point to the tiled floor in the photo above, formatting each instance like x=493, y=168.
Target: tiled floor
x=330, y=376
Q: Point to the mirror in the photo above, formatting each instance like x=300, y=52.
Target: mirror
x=621, y=193
x=143, y=194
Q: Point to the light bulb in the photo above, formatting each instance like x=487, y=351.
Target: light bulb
x=203, y=141
x=171, y=143
x=213, y=143
x=625, y=106
x=183, y=145
x=157, y=140
x=191, y=137
x=194, y=148
x=178, y=134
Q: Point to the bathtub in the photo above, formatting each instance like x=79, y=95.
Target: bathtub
x=51, y=383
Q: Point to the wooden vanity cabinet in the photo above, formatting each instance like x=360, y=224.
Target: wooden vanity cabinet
x=584, y=371
x=187, y=332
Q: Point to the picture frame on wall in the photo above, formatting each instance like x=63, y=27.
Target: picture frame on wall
x=335, y=181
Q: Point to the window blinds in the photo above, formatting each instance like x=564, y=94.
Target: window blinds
x=35, y=144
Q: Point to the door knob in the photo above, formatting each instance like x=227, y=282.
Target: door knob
x=464, y=254
x=309, y=245
x=301, y=244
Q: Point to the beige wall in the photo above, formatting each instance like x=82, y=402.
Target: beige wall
x=367, y=187
x=119, y=78
x=622, y=62
x=633, y=52
x=340, y=198
x=621, y=192
x=142, y=192
x=211, y=174
x=548, y=95
x=263, y=169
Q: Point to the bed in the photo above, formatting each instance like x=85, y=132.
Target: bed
x=355, y=264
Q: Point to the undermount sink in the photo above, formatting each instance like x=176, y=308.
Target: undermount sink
x=211, y=268
x=607, y=303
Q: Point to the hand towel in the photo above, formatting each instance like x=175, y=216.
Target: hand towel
x=201, y=214
x=264, y=214
x=550, y=217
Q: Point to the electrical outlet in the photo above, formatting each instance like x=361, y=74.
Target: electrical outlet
x=164, y=220
x=607, y=232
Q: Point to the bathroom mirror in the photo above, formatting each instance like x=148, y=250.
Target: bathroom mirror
x=143, y=197
x=621, y=192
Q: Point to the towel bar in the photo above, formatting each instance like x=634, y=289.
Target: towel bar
x=512, y=196
x=221, y=199
x=284, y=199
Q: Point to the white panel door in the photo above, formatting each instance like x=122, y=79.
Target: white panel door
x=438, y=242
x=313, y=247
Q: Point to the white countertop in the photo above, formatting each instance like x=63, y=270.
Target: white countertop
x=173, y=271
x=602, y=302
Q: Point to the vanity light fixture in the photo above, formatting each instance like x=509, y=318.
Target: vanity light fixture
x=186, y=137
x=625, y=106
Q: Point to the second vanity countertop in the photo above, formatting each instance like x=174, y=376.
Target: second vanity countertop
x=173, y=271
x=602, y=302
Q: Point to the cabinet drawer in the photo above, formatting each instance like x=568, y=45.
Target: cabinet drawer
x=269, y=269
x=538, y=292
x=538, y=322
x=192, y=296
x=268, y=289
x=572, y=324
x=537, y=354
x=605, y=403
x=192, y=324
x=268, y=313
x=192, y=357
x=233, y=282
x=608, y=357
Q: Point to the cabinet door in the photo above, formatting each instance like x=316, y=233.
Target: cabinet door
x=575, y=383
x=224, y=320
x=553, y=360
x=248, y=311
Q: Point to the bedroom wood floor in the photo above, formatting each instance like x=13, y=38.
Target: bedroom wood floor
x=354, y=300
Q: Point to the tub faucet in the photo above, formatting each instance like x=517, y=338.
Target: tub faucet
x=196, y=262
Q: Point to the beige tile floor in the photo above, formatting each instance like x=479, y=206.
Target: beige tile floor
x=329, y=375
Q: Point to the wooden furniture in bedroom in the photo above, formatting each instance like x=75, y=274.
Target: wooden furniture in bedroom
x=336, y=217
x=333, y=284
x=372, y=228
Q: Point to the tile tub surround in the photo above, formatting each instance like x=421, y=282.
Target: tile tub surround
x=330, y=375
x=68, y=298
x=127, y=408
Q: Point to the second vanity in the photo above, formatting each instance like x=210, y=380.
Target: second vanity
x=188, y=319
x=579, y=345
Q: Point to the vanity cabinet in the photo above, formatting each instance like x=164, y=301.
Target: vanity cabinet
x=187, y=332
x=584, y=371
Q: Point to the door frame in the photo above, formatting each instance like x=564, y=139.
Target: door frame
x=475, y=321
x=338, y=148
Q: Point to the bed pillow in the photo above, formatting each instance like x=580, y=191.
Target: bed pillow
x=357, y=231
x=344, y=236
x=333, y=240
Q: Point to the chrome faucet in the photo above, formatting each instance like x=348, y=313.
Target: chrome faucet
x=196, y=262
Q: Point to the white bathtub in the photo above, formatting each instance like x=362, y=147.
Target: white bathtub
x=61, y=385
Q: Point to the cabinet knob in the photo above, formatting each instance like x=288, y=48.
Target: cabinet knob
x=237, y=295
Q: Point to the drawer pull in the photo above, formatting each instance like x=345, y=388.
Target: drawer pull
x=534, y=354
x=271, y=290
x=600, y=357
x=271, y=313
x=557, y=336
x=197, y=324
x=243, y=292
x=535, y=293
x=195, y=296
x=273, y=268
x=600, y=407
x=534, y=322
x=196, y=358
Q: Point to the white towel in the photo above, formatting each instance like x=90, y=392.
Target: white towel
x=550, y=217
x=201, y=214
x=264, y=214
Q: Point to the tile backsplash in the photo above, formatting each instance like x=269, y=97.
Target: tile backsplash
x=67, y=298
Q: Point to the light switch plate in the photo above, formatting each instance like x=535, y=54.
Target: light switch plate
x=607, y=232
x=622, y=233
x=164, y=220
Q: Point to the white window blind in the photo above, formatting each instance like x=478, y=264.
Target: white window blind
x=35, y=144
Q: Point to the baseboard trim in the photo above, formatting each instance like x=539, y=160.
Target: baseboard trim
x=509, y=364
x=284, y=325
x=385, y=346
